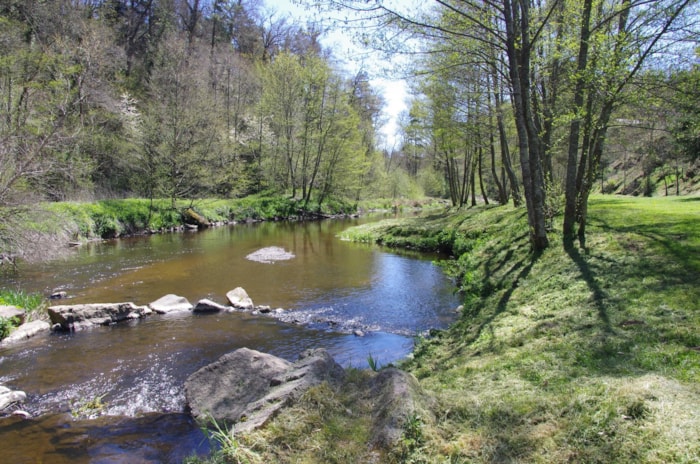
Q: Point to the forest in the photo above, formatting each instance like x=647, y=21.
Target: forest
x=538, y=103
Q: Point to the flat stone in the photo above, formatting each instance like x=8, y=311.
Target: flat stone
x=170, y=303
x=25, y=331
x=80, y=316
x=9, y=312
x=270, y=255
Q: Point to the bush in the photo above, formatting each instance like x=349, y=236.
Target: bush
x=6, y=326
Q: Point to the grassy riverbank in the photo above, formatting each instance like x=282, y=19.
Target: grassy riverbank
x=587, y=356
x=42, y=231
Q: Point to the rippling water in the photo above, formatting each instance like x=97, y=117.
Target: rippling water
x=138, y=368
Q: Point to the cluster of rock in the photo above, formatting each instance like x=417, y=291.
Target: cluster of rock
x=244, y=388
x=247, y=388
x=80, y=316
x=69, y=317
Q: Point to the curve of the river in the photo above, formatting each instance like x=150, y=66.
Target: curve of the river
x=138, y=368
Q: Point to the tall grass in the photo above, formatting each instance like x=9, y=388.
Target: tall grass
x=32, y=303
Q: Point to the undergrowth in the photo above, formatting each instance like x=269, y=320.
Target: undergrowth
x=113, y=218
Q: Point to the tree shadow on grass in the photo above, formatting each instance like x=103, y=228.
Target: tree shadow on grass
x=506, y=280
x=599, y=296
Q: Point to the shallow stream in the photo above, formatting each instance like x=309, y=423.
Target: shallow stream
x=137, y=369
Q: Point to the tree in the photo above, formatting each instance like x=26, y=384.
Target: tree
x=621, y=37
x=181, y=137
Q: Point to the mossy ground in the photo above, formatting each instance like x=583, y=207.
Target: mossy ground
x=591, y=355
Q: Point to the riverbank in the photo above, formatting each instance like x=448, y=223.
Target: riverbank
x=587, y=356
x=43, y=231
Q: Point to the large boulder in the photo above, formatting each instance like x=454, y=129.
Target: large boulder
x=9, y=312
x=398, y=398
x=170, y=303
x=247, y=387
x=239, y=299
x=26, y=331
x=79, y=316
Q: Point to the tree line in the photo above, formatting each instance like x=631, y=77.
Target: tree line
x=176, y=99
x=515, y=100
x=538, y=87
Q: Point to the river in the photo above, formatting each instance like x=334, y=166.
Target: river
x=137, y=369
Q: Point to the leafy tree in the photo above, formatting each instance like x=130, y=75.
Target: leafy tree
x=181, y=136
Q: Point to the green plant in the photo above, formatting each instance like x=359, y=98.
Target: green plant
x=32, y=303
x=228, y=447
x=373, y=362
x=88, y=408
x=6, y=326
x=412, y=441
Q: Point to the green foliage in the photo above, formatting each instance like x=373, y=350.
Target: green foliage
x=586, y=356
x=6, y=326
x=373, y=363
x=411, y=442
x=22, y=299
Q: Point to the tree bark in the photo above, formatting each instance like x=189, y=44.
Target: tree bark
x=575, y=127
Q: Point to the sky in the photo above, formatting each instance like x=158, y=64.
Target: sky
x=353, y=58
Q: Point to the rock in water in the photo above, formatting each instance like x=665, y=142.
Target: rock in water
x=270, y=255
x=26, y=331
x=10, y=397
x=170, y=303
x=239, y=299
x=73, y=317
x=247, y=387
x=224, y=388
x=208, y=306
x=9, y=312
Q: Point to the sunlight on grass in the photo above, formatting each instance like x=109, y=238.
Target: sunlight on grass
x=586, y=356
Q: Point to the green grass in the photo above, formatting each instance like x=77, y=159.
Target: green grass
x=112, y=218
x=586, y=356
x=32, y=303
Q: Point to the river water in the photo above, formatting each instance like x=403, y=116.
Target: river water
x=329, y=289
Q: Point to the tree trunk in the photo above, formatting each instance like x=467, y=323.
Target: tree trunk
x=575, y=127
x=517, y=32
